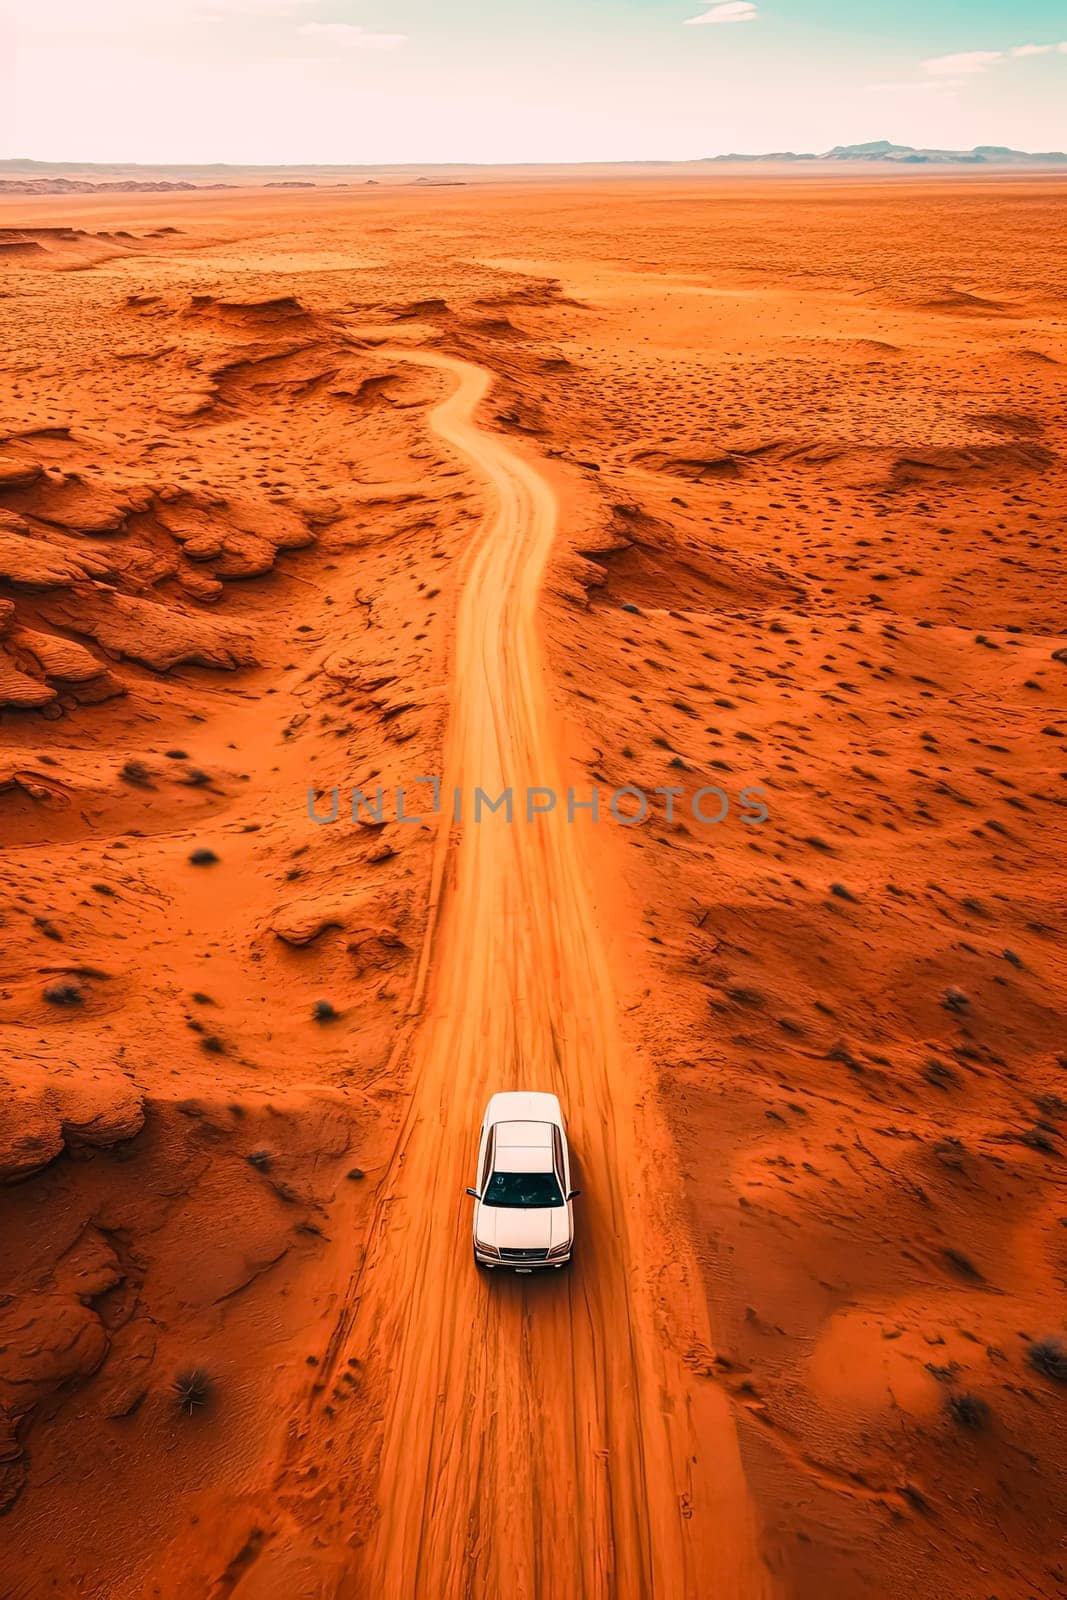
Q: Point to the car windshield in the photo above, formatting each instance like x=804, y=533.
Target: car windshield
x=534, y=1189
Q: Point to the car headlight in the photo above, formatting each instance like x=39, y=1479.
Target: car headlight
x=559, y=1249
x=486, y=1249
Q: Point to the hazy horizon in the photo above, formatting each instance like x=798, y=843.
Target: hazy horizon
x=787, y=160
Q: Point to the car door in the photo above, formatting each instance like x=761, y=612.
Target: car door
x=561, y=1157
x=485, y=1162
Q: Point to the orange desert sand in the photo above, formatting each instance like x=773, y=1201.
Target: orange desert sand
x=735, y=481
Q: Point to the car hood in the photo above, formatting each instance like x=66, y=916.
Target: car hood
x=515, y=1228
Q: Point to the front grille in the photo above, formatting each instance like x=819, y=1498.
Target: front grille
x=524, y=1255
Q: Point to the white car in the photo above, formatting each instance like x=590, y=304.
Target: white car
x=523, y=1218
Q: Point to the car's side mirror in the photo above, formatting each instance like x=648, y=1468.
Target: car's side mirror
x=574, y=1194
x=474, y=1194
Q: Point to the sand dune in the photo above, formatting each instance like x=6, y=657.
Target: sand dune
x=709, y=488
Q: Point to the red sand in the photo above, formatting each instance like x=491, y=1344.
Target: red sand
x=747, y=483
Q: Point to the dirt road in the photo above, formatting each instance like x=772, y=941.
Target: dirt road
x=550, y=1436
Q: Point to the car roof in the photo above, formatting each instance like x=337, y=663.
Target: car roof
x=510, y=1135
x=522, y=1158
x=524, y=1105
x=522, y=1147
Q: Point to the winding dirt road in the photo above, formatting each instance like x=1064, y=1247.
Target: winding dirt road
x=553, y=1436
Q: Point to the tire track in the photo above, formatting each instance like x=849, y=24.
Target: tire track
x=542, y=1438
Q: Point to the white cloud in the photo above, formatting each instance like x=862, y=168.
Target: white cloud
x=732, y=11
x=216, y=9
x=104, y=13
x=351, y=36
x=909, y=84
x=122, y=18
x=979, y=60
x=965, y=61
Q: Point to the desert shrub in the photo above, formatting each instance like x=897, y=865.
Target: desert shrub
x=63, y=994
x=969, y=1411
x=137, y=774
x=1049, y=1357
x=192, y=1390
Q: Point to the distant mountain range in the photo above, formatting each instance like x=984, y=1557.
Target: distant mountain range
x=24, y=176
x=906, y=155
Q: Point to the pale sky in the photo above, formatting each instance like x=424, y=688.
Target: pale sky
x=376, y=81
